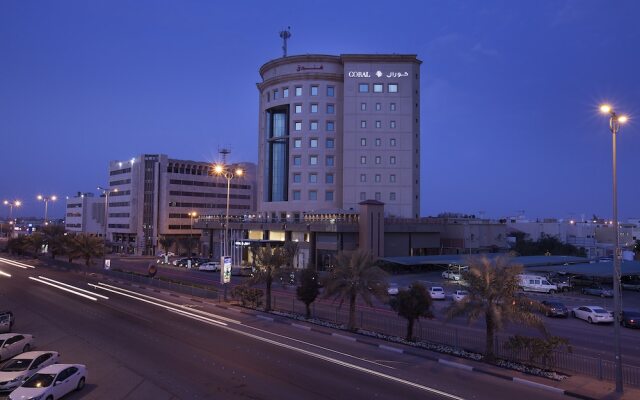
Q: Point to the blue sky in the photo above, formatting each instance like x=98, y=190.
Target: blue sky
x=510, y=91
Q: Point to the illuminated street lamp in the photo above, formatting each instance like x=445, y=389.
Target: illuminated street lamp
x=192, y=215
x=11, y=204
x=46, y=200
x=615, y=120
x=106, y=193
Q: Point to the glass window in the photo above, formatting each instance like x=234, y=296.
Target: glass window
x=330, y=143
x=331, y=91
x=331, y=108
x=363, y=141
x=330, y=161
x=378, y=142
x=275, y=94
x=330, y=126
x=363, y=196
x=313, y=143
x=313, y=125
x=363, y=88
x=378, y=160
x=378, y=124
x=363, y=106
x=378, y=178
x=378, y=196
x=363, y=159
x=298, y=108
x=314, y=107
x=313, y=178
x=392, y=142
x=328, y=195
x=392, y=196
x=296, y=195
x=297, y=177
x=363, y=178
x=378, y=106
x=285, y=92
x=298, y=126
x=297, y=160
x=392, y=124
x=268, y=96
x=297, y=143
x=392, y=178
x=298, y=90
x=392, y=88
x=313, y=160
x=392, y=160
x=377, y=88
x=314, y=90
x=313, y=195
x=328, y=178
x=392, y=106
x=363, y=124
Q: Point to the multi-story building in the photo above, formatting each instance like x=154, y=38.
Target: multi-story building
x=85, y=214
x=335, y=131
x=154, y=196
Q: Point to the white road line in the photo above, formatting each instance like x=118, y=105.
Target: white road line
x=70, y=286
x=65, y=289
x=16, y=263
x=5, y=274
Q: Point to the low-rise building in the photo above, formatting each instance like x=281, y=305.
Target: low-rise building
x=85, y=214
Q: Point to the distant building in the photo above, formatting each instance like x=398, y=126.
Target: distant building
x=152, y=196
x=85, y=214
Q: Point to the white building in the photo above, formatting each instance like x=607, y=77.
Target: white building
x=85, y=214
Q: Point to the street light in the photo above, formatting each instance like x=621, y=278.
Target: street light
x=192, y=215
x=615, y=120
x=106, y=193
x=46, y=200
x=11, y=204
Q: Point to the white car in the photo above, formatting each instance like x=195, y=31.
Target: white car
x=213, y=266
x=437, y=293
x=22, y=367
x=14, y=343
x=452, y=275
x=392, y=290
x=459, y=295
x=593, y=314
x=52, y=382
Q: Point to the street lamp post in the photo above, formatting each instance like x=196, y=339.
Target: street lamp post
x=106, y=193
x=192, y=215
x=615, y=120
x=46, y=200
x=11, y=204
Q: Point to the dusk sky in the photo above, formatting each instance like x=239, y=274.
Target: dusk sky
x=509, y=92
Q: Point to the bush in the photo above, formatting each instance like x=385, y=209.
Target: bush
x=538, y=349
x=248, y=297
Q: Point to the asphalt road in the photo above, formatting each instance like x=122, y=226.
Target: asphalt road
x=146, y=348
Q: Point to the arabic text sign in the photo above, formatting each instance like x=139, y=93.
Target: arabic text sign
x=377, y=74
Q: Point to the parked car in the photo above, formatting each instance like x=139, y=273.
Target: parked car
x=52, y=382
x=459, y=295
x=437, y=293
x=23, y=366
x=630, y=283
x=7, y=319
x=597, y=290
x=630, y=319
x=14, y=343
x=211, y=266
x=535, y=283
x=593, y=314
x=555, y=309
x=392, y=290
x=195, y=262
x=452, y=275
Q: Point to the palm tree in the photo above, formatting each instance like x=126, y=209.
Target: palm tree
x=54, y=235
x=412, y=304
x=88, y=247
x=270, y=264
x=309, y=289
x=35, y=242
x=493, y=294
x=355, y=274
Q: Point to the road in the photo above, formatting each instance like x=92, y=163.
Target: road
x=140, y=347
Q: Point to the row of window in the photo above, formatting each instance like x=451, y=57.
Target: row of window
x=378, y=142
x=207, y=205
x=207, y=184
x=120, y=171
x=378, y=106
x=377, y=196
x=313, y=160
x=312, y=178
x=378, y=178
x=377, y=87
x=74, y=214
x=120, y=182
x=313, y=108
x=179, y=215
x=313, y=143
x=74, y=225
x=330, y=126
x=74, y=205
x=378, y=124
x=119, y=204
x=180, y=227
x=313, y=195
x=118, y=215
x=378, y=160
x=119, y=226
x=314, y=90
x=209, y=195
x=121, y=193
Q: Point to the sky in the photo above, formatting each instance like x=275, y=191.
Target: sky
x=509, y=92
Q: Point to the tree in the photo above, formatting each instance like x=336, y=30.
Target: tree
x=493, y=294
x=34, y=243
x=17, y=245
x=355, y=274
x=54, y=235
x=411, y=304
x=309, y=289
x=270, y=265
x=166, y=242
x=187, y=243
x=88, y=247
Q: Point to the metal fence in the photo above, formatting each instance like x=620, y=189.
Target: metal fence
x=179, y=287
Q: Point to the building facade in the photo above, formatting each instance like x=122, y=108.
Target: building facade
x=153, y=196
x=85, y=214
x=335, y=131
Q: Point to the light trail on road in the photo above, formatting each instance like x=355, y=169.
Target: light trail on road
x=16, y=263
x=77, y=293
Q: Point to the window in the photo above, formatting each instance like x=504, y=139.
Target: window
x=298, y=108
x=378, y=160
x=313, y=177
x=328, y=178
x=363, y=106
x=297, y=160
x=313, y=143
x=363, y=88
x=377, y=178
x=313, y=195
x=392, y=196
x=285, y=92
x=297, y=143
x=377, y=88
x=363, y=159
x=363, y=141
x=392, y=88
x=331, y=91
x=314, y=107
x=363, y=196
x=330, y=126
x=328, y=195
x=363, y=124
x=330, y=143
x=392, y=178
x=363, y=178
x=331, y=108
x=297, y=178
x=378, y=106
x=378, y=124
x=330, y=161
x=297, y=125
x=392, y=160
x=268, y=96
x=298, y=90
x=392, y=142
x=378, y=196
x=275, y=94
x=313, y=125
x=378, y=142
x=296, y=195
x=392, y=124
x=313, y=160
x=392, y=106
x=314, y=90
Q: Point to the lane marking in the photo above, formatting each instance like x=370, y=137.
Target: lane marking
x=64, y=288
x=77, y=288
x=5, y=274
x=16, y=263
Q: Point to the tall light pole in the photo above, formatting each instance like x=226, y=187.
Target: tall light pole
x=192, y=215
x=615, y=120
x=106, y=193
x=46, y=200
x=11, y=204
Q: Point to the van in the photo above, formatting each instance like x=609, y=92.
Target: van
x=534, y=283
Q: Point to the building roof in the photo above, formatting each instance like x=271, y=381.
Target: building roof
x=527, y=261
x=601, y=269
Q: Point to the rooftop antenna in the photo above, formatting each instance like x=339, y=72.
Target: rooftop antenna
x=224, y=151
x=285, y=35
